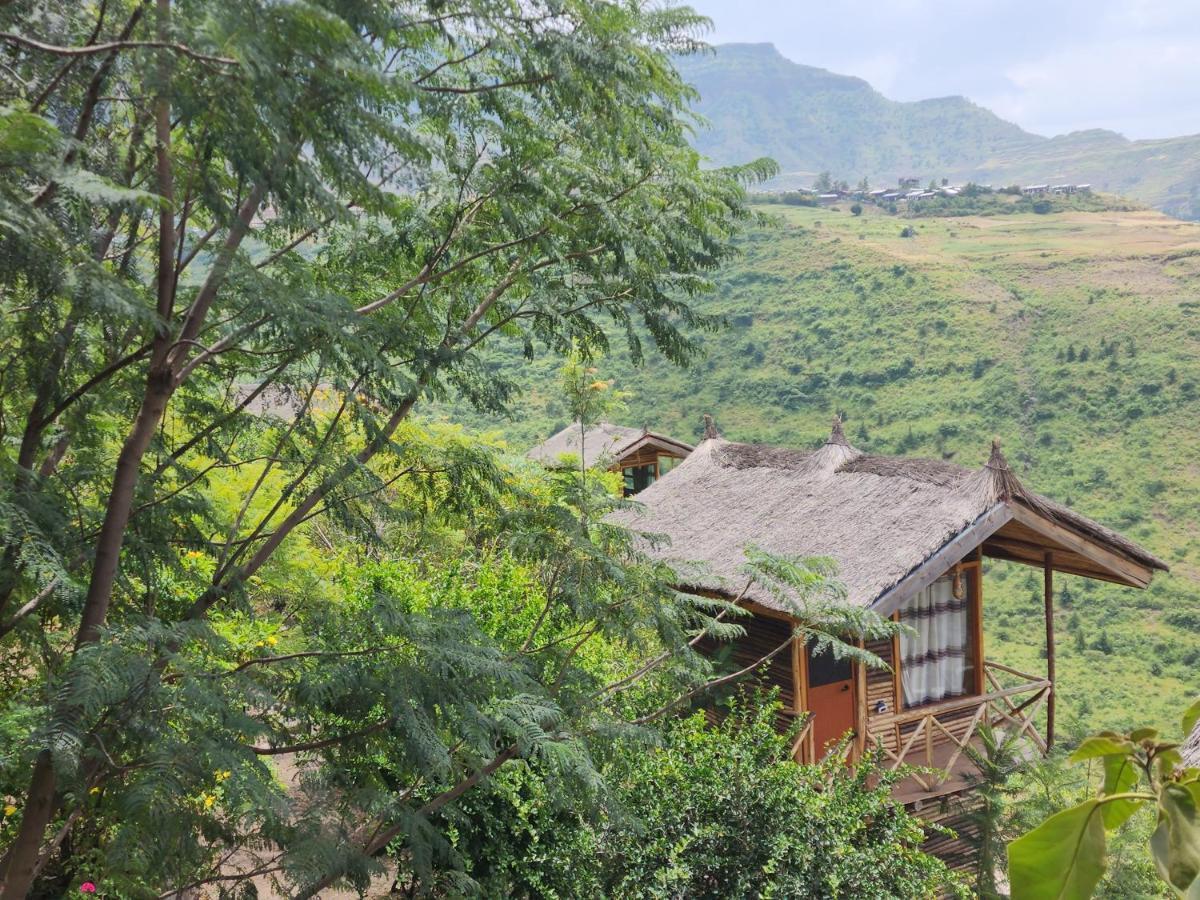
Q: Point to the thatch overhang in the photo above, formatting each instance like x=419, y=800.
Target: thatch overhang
x=604, y=442
x=892, y=524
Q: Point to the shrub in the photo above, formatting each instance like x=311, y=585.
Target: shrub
x=711, y=812
x=908, y=231
x=856, y=209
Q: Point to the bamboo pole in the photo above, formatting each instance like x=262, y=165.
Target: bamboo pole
x=1048, y=595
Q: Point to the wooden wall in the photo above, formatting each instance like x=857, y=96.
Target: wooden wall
x=956, y=812
x=883, y=686
x=762, y=636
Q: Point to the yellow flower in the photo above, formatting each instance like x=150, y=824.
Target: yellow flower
x=272, y=640
x=9, y=809
x=194, y=554
x=94, y=791
x=222, y=774
x=209, y=800
x=260, y=644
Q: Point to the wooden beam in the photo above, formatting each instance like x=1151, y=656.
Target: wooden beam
x=936, y=565
x=995, y=549
x=1137, y=574
x=1048, y=597
x=975, y=573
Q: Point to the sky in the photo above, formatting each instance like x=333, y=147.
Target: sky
x=1051, y=66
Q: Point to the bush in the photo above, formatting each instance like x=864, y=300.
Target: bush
x=856, y=209
x=712, y=812
x=908, y=231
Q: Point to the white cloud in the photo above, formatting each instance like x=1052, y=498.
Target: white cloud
x=1144, y=87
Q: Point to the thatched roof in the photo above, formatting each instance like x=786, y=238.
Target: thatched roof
x=1190, y=751
x=602, y=442
x=892, y=524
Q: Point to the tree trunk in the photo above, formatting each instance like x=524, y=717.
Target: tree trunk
x=19, y=864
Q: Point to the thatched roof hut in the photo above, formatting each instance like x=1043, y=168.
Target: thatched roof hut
x=604, y=442
x=892, y=524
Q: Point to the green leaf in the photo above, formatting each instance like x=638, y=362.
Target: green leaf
x=1143, y=734
x=1101, y=745
x=1061, y=859
x=1191, y=717
x=98, y=189
x=1120, y=776
x=1176, y=841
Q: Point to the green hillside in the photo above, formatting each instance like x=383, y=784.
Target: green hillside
x=811, y=120
x=1074, y=338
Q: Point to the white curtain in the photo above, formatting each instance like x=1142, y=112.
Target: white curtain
x=933, y=659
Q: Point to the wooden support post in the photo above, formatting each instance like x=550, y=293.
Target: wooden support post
x=799, y=696
x=1048, y=594
x=860, y=706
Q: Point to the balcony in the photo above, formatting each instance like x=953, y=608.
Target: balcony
x=935, y=738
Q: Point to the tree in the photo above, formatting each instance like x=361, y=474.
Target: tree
x=864, y=185
x=244, y=242
x=1065, y=856
x=823, y=183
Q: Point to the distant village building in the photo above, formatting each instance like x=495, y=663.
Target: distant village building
x=909, y=182
x=1033, y=190
x=642, y=456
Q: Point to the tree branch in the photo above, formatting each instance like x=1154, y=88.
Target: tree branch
x=27, y=43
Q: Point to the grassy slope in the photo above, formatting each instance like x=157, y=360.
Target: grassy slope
x=931, y=345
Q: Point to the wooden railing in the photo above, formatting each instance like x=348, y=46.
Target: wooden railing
x=935, y=737
x=786, y=719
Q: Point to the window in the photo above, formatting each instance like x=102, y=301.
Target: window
x=936, y=661
x=666, y=464
x=638, y=478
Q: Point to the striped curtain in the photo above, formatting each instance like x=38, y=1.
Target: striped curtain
x=933, y=658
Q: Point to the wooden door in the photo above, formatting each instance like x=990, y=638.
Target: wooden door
x=830, y=699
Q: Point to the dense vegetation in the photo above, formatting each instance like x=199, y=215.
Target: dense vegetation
x=255, y=622
x=710, y=813
x=1138, y=772
x=811, y=120
x=1074, y=338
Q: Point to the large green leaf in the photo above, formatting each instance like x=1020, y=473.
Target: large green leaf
x=1102, y=745
x=1061, y=859
x=1120, y=776
x=1176, y=841
x=1191, y=717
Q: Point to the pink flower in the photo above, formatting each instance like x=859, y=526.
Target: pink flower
x=88, y=887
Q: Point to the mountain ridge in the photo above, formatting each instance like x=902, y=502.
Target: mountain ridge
x=759, y=103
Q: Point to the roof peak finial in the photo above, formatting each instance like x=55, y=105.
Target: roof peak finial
x=996, y=459
x=710, y=428
x=836, y=434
